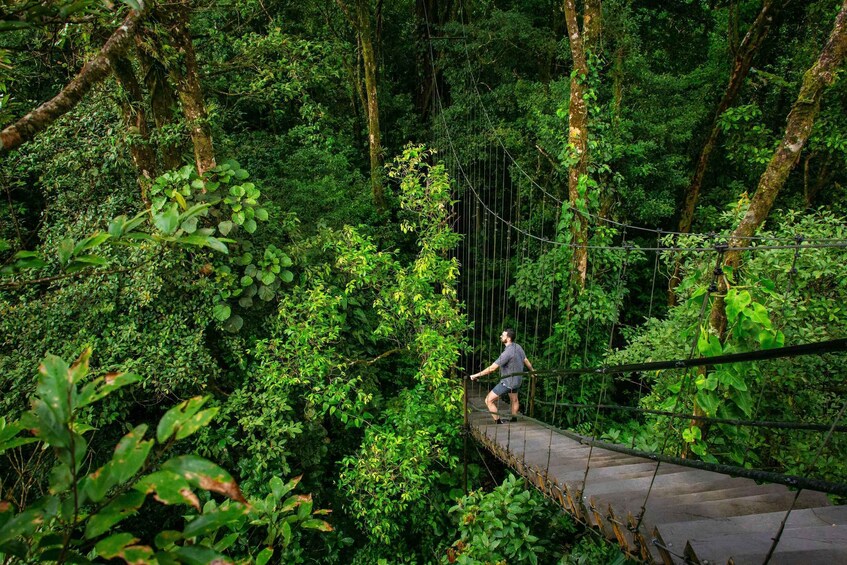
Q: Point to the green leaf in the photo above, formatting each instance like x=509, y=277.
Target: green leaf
x=54, y=385
x=123, y=506
x=205, y=474
x=22, y=524
x=234, y=324
x=130, y=454
x=708, y=401
x=167, y=220
x=736, y=302
x=65, y=251
x=199, y=555
x=708, y=344
x=113, y=545
x=744, y=400
x=90, y=242
x=169, y=488
x=211, y=521
x=261, y=214
x=102, y=386
x=250, y=226
x=265, y=555
x=178, y=416
x=238, y=217
x=132, y=4
x=217, y=245
x=225, y=227
x=221, y=311
x=315, y=524
x=732, y=379
x=266, y=293
x=286, y=276
x=246, y=281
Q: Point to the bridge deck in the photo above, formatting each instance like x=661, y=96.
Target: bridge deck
x=691, y=515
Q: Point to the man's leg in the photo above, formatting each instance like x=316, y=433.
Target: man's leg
x=513, y=396
x=491, y=402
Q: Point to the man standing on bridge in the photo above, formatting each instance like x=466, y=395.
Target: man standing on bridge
x=511, y=363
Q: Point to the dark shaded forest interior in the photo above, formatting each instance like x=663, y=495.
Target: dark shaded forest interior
x=251, y=250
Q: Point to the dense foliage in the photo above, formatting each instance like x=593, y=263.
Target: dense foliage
x=256, y=214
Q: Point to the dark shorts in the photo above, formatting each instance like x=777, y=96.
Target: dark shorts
x=502, y=389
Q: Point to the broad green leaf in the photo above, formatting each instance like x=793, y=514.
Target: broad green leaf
x=205, y=474
x=708, y=401
x=168, y=488
x=736, y=302
x=226, y=542
x=221, y=311
x=90, y=242
x=22, y=524
x=98, y=483
x=116, y=226
x=266, y=293
x=167, y=220
x=166, y=538
x=217, y=244
x=124, y=505
x=279, y=490
x=286, y=276
x=234, y=323
x=261, y=214
x=708, y=344
x=211, y=521
x=130, y=454
x=250, y=226
x=102, y=386
x=178, y=416
x=238, y=217
x=113, y=545
x=225, y=227
x=732, y=379
x=744, y=400
x=315, y=524
x=264, y=556
x=54, y=385
x=65, y=251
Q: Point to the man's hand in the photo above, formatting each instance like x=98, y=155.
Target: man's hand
x=474, y=377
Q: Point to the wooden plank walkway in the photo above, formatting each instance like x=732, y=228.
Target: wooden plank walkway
x=692, y=516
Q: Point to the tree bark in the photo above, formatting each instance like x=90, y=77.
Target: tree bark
x=740, y=68
x=163, y=99
x=360, y=18
x=578, y=136
x=801, y=119
x=186, y=77
x=92, y=72
x=135, y=120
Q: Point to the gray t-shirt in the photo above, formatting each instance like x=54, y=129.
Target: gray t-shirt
x=511, y=362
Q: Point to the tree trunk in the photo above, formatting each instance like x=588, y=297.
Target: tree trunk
x=92, y=72
x=162, y=95
x=577, y=139
x=801, y=119
x=740, y=68
x=186, y=77
x=365, y=31
x=135, y=120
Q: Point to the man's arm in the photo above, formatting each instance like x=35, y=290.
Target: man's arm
x=528, y=364
x=491, y=368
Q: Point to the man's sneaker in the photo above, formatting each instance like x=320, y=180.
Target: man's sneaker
x=514, y=419
x=499, y=421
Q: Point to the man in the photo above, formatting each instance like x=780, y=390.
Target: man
x=511, y=361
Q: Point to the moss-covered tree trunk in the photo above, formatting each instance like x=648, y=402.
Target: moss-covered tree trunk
x=163, y=98
x=740, y=68
x=578, y=122
x=365, y=30
x=801, y=119
x=92, y=72
x=186, y=77
x=135, y=121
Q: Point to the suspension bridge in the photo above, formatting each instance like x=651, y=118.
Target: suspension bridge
x=678, y=459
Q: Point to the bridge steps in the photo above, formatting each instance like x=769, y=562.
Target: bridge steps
x=692, y=516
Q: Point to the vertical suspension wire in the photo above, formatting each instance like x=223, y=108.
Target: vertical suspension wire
x=778, y=537
x=792, y=271
x=713, y=287
x=649, y=316
x=604, y=375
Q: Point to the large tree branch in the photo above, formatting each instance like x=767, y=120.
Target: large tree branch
x=94, y=71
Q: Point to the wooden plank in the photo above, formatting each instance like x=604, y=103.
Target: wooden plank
x=828, y=543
